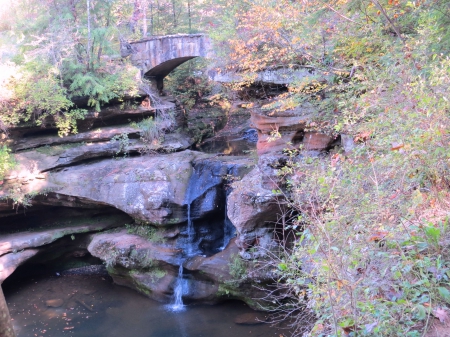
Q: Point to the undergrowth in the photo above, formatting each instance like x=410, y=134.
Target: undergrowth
x=370, y=255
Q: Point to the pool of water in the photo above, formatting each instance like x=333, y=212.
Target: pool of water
x=227, y=145
x=92, y=306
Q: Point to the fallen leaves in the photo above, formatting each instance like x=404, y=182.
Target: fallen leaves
x=441, y=314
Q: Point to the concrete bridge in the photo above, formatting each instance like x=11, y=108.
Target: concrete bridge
x=157, y=56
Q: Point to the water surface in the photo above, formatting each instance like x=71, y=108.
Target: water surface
x=95, y=307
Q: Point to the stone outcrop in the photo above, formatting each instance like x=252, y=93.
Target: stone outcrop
x=101, y=135
x=179, y=198
x=29, y=135
x=286, y=130
x=253, y=209
x=52, y=157
x=24, y=240
x=152, y=269
x=17, y=248
x=9, y=262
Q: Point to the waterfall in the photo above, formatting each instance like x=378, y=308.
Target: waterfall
x=203, y=194
x=179, y=290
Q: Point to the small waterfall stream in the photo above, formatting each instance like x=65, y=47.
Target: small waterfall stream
x=188, y=251
x=205, y=190
x=179, y=290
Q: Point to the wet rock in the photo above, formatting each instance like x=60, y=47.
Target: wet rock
x=251, y=135
x=251, y=318
x=217, y=266
x=157, y=283
x=55, y=303
x=212, y=279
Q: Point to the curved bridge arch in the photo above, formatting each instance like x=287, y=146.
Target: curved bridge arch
x=157, y=56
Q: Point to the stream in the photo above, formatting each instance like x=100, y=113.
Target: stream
x=92, y=306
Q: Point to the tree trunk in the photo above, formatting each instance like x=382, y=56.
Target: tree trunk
x=189, y=16
x=144, y=18
x=151, y=18
x=89, y=33
x=174, y=15
x=6, y=328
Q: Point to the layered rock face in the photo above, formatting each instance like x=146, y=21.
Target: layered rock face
x=280, y=130
x=142, y=215
x=152, y=212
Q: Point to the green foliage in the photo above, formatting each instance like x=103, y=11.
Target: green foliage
x=157, y=274
x=124, y=143
x=146, y=231
x=7, y=161
x=189, y=83
x=238, y=269
x=60, y=60
x=101, y=87
x=152, y=130
x=39, y=98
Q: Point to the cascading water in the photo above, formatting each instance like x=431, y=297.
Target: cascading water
x=179, y=290
x=205, y=195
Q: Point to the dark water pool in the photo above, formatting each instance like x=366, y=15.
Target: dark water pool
x=92, y=306
x=227, y=145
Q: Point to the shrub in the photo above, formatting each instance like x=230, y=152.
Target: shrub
x=7, y=161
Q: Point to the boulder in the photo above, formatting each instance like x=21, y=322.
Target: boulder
x=131, y=251
x=278, y=130
x=316, y=141
x=348, y=143
x=149, y=188
x=252, y=209
x=10, y=262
